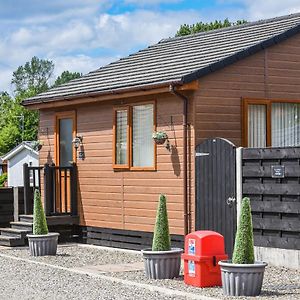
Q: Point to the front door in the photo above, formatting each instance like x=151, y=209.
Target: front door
x=216, y=189
x=65, y=156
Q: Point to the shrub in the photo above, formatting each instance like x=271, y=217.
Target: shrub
x=161, y=238
x=243, y=252
x=3, y=179
x=39, y=218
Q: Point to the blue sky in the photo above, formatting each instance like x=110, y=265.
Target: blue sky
x=82, y=35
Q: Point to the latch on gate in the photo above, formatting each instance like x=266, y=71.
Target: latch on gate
x=230, y=201
x=201, y=154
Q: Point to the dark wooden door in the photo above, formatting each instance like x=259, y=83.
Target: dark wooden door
x=216, y=189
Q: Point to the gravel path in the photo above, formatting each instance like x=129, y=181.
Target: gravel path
x=58, y=277
x=279, y=283
x=27, y=281
x=73, y=255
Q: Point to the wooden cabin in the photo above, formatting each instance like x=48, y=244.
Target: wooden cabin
x=240, y=83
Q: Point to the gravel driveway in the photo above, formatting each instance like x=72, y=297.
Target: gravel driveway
x=69, y=276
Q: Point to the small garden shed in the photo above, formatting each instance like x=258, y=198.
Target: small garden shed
x=21, y=154
x=240, y=83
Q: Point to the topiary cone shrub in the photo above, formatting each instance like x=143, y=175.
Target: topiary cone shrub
x=39, y=218
x=243, y=252
x=161, y=238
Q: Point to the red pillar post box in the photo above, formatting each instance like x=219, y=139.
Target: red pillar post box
x=203, y=250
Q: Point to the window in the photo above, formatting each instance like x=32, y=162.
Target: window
x=134, y=148
x=121, y=137
x=273, y=123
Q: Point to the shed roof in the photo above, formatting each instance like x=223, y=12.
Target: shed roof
x=177, y=60
x=24, y=145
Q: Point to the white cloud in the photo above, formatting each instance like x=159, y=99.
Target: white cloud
x=79, y=63
x=150, y=2
x=141, y=27
x=257, y=9
x=5, y=78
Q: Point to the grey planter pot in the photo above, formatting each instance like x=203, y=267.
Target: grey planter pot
x=41, y=245
x=162, y=264
x=242, y=279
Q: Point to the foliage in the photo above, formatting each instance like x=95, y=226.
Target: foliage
x=17, y=123
x=243, y=247
x=161, y=238
x=65, y=77
x=186, y=29
x=159, y=135
x=39, y=218
x=34, y=75
x=3, y=179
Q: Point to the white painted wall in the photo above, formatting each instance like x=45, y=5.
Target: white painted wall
x=15, y=166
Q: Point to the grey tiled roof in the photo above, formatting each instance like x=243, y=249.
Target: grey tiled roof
x=178, y=60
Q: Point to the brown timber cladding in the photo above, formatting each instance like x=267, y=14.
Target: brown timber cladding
x=124, y=199
x=127, y=200
x=275, y=202
x=270, y=74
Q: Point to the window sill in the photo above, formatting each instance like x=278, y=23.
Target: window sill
x=134, y=169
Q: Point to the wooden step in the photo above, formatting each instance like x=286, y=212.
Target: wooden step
x=21, y=225
x=13, y=232
x=26, y=218
x=10, y=241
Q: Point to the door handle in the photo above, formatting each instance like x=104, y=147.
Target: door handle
x=230, y=201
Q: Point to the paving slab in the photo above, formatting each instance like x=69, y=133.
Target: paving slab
x=115, y=268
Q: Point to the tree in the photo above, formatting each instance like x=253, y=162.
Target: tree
x=17, y=123
x=65, y=77
x=34, y=75
x=186, y=29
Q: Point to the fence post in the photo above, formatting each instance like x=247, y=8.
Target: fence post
x=26, y=179
x=73, y=175
x=48, y=192
x=16, y=204
x=239, y=181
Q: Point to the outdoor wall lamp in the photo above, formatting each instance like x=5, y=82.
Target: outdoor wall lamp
x=77, y=141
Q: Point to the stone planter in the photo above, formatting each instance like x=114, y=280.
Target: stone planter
x=41, y=245
x=162, y=264
x=242, y=279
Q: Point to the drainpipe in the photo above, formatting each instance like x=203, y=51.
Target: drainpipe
x=185, y=158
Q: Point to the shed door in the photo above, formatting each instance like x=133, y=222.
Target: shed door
x=65, y=155
x=216, y=189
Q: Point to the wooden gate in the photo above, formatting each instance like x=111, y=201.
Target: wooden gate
x=216, y=189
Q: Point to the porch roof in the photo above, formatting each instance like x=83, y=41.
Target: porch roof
x=176, y=60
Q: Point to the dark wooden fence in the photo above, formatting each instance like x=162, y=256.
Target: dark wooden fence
x=60, y=188
x=7, y=205
x=32, y=180
x=271, y=178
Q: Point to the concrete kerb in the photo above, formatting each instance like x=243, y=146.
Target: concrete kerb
x=152, y=288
